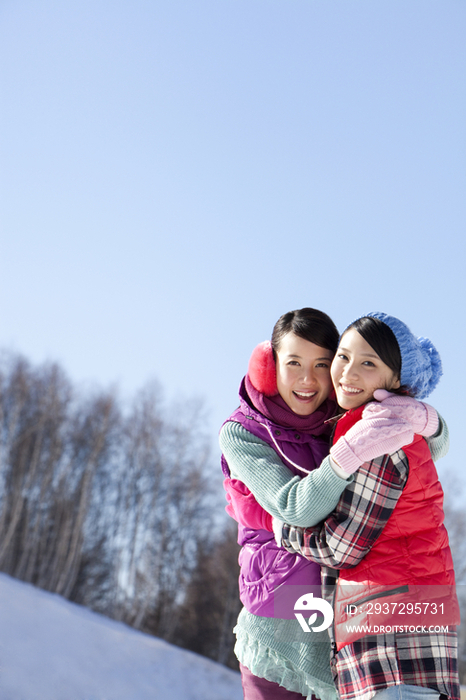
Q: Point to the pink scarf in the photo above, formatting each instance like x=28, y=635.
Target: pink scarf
x=277, y=410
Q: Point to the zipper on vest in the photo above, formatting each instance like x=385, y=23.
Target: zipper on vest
x=382, y=594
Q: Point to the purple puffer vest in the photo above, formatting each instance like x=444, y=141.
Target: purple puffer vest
x=267, y=570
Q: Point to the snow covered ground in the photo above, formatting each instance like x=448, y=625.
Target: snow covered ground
x=51, y=649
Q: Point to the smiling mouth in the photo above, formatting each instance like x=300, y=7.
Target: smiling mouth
x=305, y=394
x=350, y=390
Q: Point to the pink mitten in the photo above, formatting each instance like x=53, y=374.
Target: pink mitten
x=422, y=418
x=369, y=439
x=243, y=507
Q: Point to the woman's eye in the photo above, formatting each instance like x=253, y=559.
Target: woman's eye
x=293, y=362
x=368, y=363
x=342, y=357
x=323, y=364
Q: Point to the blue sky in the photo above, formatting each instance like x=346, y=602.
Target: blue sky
x=176, y=175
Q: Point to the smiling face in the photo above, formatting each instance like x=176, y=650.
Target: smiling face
x=303, y=374
x=357, y=371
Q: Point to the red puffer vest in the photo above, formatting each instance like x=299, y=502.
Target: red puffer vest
x=407, y=578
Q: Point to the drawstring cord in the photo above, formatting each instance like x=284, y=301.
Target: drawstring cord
x=280, y=451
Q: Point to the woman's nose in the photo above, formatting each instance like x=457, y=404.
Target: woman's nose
x=308, y=376
x=349, y=370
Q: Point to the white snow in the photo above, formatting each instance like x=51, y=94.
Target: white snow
x=51, y=649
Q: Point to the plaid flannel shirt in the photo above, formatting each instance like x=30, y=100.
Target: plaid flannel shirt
x=341, y=541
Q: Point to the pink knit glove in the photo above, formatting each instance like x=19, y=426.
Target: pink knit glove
x=243, y=507
x=422, y=418
x=368, y=439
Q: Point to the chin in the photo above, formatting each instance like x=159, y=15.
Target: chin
x=347, y=405
x=304, y=412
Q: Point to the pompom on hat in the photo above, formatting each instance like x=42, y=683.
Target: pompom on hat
x=421, y=366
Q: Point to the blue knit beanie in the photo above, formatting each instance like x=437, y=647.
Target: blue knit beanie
x=421, y=366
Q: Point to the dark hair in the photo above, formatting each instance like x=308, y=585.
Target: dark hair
x=383, y=341
x=310, y=324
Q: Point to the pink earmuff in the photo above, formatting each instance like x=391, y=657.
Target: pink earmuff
x=261, y=369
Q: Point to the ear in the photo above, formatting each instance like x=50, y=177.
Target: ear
x=261, y=369
x=395, y=384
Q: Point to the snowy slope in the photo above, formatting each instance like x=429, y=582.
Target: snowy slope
x=51, y=649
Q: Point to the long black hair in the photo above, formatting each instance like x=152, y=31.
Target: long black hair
x=307, y=323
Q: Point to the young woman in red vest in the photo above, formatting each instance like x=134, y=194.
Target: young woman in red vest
x=384, y=551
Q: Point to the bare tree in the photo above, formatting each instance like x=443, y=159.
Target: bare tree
x=51, y=450
x=160, y=494
x=455, y=520
x=113, y=508
x=208, y=613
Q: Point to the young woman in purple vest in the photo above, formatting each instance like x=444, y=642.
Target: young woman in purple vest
x=279, y=435
x=384, y=552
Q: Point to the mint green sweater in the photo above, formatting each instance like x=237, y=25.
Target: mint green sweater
x=279, y=650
